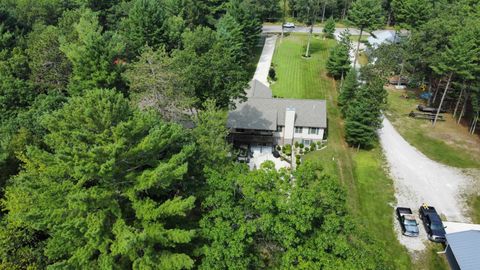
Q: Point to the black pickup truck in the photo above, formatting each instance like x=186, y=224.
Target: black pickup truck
x=433, y=223
x=407, y=220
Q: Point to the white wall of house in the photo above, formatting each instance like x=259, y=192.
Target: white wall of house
x=298, y=136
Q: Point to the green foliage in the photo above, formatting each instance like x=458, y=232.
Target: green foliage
x=94, y=56
x=149, y=23
x=366, y=14
x=412, y=13
x=363, y=116
x=261, y=219
x=347, y=91
x=208, y=69
x=50, y=69
x=154, y=84
x=106, y=190
x=329, y=28
x=338, y=61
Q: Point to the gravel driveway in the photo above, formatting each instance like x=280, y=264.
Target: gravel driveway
x=419, y=180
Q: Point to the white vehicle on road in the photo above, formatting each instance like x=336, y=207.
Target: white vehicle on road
x=288, y=25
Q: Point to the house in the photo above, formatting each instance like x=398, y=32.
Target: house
x=265, y=120
x=463, y=250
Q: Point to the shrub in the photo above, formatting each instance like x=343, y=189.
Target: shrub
x=272, y=74
x=298, y=162
x=297, y=157
x=307, y=150
x=301, y=151
x=301, y=146
x=312, y=147
x=279, y=148
x=296, y=144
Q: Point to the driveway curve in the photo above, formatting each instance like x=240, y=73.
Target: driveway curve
x=419, y=179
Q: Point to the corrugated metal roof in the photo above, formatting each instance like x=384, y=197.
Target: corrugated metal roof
x=465, y=247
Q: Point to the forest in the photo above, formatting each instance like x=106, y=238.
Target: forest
x=113, y=151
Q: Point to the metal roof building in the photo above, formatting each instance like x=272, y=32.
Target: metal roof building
x=463, y=250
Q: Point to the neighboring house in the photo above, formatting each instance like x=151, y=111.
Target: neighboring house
x=463, y=250
x=264, y=120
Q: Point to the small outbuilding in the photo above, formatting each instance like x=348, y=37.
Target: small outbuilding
x=463, y=250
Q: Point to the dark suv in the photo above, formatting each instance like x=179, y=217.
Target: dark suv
x=433, y=223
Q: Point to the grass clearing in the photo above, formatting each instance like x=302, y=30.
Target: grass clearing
x=299, y=77
x=447, y=143
x=369, y=189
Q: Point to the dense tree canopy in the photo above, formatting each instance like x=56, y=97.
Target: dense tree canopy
x=107, y=187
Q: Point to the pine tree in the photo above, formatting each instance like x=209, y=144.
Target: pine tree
x=107, y=188
x=366, y=15
x=94, y=56
x=347, y=91
x=364, y=116
x=329, y=28
x=338, y=62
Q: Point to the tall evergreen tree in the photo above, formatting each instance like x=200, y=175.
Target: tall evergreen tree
x=95, y=56
x=366, y=15
x=348, y=91
x=329, y=28
x=364, y=116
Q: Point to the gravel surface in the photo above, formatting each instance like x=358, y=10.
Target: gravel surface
x=419, y=180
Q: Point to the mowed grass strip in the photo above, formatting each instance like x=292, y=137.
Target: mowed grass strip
x=370, y=191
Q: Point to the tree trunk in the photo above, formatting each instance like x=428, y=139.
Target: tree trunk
x=323, y=12
x=389, y=20
x=474, y=123
x=458, y=101
x=341, y=81
x=307, y=53
x=400, y=77
x=443, y=98
x=464, y=107
x=436, y=91
x=358, y=48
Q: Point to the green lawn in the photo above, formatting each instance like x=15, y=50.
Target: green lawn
x=370, y=191
x=299, y=77
x=447, y=143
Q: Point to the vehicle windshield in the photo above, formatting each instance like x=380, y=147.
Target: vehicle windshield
x=436, y=226
x=410, y=222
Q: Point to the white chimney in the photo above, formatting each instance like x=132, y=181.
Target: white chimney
x=289, y=125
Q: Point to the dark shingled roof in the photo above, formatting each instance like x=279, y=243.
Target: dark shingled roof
x=465, y=247
x=260, y=112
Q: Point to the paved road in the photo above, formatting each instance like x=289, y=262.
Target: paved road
x=304, y=29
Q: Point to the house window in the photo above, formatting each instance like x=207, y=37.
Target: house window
x=298, y=129
x=306, y=142
x=313, y=131
x=279, y=128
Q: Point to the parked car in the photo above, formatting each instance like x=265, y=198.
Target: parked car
x=433, y=223
x=407, y=220
x=288, y=25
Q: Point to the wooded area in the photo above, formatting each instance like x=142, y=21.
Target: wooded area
x=100, y=165
x=112, y=131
